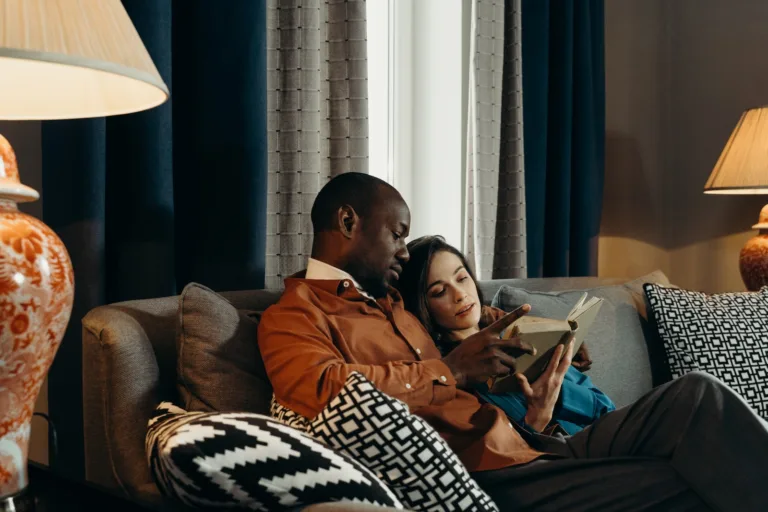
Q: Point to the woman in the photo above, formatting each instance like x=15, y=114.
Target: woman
x=439, y=288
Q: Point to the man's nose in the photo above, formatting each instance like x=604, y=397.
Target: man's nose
x=402, y=255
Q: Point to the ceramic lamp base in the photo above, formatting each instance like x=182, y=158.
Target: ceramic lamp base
x=36, y=293
x=20, y=502
x=753, y=262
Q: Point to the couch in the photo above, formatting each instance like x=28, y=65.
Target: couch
x=129, y=366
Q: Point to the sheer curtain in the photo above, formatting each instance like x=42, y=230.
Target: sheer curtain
x=317, y=116
x=495, y=228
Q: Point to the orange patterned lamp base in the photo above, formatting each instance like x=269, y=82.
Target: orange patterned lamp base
x=36, y=293
x=753, y=261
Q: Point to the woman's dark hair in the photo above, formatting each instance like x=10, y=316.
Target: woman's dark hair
x=412, y=284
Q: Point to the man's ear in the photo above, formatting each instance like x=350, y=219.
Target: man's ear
x=348, y=220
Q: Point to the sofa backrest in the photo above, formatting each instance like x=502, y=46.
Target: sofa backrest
x=129, y=366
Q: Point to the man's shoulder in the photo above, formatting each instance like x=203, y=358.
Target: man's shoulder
x=298, y=297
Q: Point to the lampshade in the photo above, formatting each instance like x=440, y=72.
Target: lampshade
x=743, y=164
x=63, y=59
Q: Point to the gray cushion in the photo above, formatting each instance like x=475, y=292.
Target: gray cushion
x=627, y=353
x=219, y=366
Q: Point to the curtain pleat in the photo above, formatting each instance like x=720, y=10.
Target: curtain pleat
x=147, y=202
x=318, y=117
x=495, y=229
x=564, y=112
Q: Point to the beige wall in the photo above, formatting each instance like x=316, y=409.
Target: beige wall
x=678, y=76
x=25, y=139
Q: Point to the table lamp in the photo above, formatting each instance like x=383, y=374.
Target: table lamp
x=59, y=59
x=743, y=169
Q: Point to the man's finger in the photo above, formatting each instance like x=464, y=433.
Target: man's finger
x=507, y=360
x=500, y=369
x=504, y=322
x=489, y=314
x=515, y=344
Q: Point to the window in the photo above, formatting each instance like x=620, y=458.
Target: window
x=380, y=71
x=417, y=84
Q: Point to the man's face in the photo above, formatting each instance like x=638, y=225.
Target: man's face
x=379, y=250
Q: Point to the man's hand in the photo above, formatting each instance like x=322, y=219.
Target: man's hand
x=489, y=314
x=581, y=360
x=542, y=395
x=485, y=354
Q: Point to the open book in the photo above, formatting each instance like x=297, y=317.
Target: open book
x=545, y=334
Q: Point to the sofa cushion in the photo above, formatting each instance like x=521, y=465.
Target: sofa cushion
x=401, y=448
x=623, y=342
x=223, y=460
x=219, y=366
x=725, y=335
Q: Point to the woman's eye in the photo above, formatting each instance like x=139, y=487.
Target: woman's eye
x=463, y=278
x=439, y=294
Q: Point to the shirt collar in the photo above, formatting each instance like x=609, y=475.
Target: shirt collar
x=322, y=271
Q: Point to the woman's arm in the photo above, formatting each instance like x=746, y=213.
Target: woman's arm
x=581, y=401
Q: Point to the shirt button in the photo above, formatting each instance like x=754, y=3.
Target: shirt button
x=418, y=351
x=346, y=284
x=442, y=378
x=407, y=386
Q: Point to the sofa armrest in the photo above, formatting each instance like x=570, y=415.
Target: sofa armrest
x=124, y=355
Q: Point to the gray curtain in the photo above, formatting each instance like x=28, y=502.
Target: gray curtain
x=317, y=116
x=495, y=236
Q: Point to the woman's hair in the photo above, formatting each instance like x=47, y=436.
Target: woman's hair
x=412, y=284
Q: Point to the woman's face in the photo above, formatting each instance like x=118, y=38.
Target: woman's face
x=452, y=295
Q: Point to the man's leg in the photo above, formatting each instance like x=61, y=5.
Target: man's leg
x=708, y=434
x=576, y=485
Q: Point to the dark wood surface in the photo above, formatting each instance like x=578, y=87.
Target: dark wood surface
x=51, y=492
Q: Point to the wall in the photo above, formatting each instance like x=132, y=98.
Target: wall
x=678, y=76
x=25, y=140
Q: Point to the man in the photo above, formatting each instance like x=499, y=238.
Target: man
x=691, y=444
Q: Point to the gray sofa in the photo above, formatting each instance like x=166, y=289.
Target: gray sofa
x=129, y=366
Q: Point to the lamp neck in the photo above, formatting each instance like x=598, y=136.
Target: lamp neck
x=8, y=205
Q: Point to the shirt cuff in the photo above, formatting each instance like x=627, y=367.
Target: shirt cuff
x=444, y=383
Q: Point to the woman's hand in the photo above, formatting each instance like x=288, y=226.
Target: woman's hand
x=581, y=360
x=543, y=393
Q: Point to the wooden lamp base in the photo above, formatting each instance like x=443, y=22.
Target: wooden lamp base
x=753, y=260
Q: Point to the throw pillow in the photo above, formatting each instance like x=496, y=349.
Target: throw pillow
x=725, y=335
x=219, y=366
x=250, y=461
x=401, y=448
x=623, y=343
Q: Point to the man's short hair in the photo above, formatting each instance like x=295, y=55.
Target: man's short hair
x=360, y=191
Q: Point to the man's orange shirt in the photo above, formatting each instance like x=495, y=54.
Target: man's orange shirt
x=322, y=330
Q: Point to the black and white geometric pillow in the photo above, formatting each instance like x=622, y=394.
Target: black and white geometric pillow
x=725, y=335
x=226, y=460
x=407, y=454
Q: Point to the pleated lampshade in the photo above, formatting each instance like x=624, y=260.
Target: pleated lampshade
x=743, y=164
x=64, y=59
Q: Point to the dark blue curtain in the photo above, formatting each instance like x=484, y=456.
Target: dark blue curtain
x=147, y=202
x=564, y=129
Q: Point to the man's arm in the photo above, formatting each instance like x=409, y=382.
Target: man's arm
x=307, y=370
